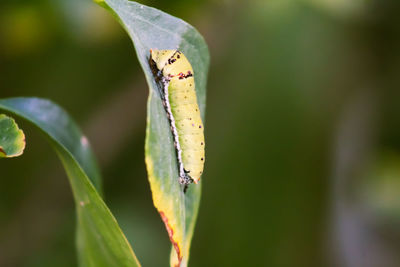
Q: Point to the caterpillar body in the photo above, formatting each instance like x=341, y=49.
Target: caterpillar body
x=174, y=75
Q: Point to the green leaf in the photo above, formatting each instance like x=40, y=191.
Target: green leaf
x=150, y=28
x=100, y=239
x=12, y=139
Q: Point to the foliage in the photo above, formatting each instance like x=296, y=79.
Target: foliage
x=100, y=239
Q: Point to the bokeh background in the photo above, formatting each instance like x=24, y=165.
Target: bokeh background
x=302, y=129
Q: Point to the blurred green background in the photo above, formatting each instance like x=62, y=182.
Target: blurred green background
x=302, y=130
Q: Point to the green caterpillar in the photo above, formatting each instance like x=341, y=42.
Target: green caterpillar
x=174, y=74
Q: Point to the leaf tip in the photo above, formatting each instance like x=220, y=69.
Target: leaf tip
x=171, y=237
x=12, y=141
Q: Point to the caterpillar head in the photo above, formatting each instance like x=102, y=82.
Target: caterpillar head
x=160, y=57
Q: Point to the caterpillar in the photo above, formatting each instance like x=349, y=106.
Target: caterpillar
x=174, y=76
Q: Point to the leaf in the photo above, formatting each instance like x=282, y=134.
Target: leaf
x=100, y=239
x=12, y=139
x=150, y=28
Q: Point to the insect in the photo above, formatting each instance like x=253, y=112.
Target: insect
x=174, y=75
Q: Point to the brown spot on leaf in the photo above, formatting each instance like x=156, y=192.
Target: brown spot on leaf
x=2, y=151
x=171, y=235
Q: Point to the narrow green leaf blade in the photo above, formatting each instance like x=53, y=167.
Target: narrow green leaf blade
x=150, y=28
x=101, y=241
x=12, y=139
